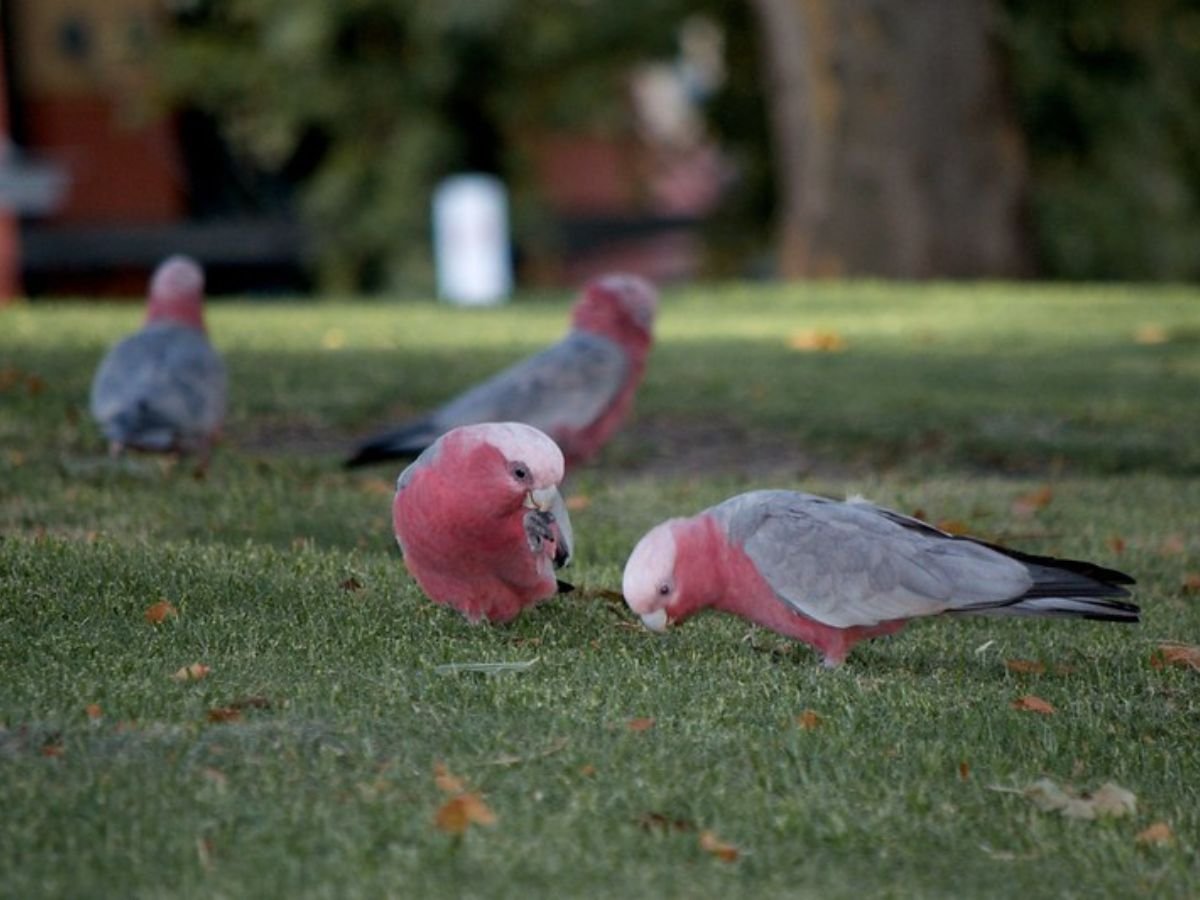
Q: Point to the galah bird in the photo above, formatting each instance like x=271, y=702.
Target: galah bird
x=577, y=391
x=164, y=387
x=833, y=573
x=480, y=521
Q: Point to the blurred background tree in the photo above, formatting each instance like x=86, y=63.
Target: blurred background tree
x=993, y=137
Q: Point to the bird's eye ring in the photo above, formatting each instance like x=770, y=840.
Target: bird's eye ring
x=520, y=472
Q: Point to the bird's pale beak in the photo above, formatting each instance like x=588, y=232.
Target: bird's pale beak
x=543, y=499
x=656, y=621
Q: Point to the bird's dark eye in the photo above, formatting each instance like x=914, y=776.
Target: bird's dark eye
x=520, y=472
x=664, y=589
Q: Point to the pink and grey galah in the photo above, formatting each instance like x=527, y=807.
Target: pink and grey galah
x=480, y=521
x=578, y=391
x=163, y=388
x=832, y=573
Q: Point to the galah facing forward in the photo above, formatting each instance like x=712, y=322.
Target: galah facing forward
x=832, y=574
x=578, y=391
x=480, y=521
x=164, y=387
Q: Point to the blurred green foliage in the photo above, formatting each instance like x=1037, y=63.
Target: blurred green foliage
x=1108, y=92
x=367, y=103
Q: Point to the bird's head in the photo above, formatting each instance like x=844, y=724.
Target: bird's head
x=650, y=583
x=619, y=306
x=177, y=292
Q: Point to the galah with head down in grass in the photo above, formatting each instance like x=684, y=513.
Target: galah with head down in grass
x=480, y=521
x=578, y=391
x=832, y=573
x=164, y=387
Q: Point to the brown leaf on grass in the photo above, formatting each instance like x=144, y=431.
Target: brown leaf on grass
x=93, y=711
x=1159, y=834
x=446, y=781
x=252, y=701
x=641, y=723
x=53, y=749
x=1028, y=504
x=656, y=821
x=34, y=384
x=1109, y=800
x=1115, y=543
x=710, y=843
x=462, y=811
x=964, y=771
x=351, y=584
x=157, y=613
x=194, y=672
x=953, y=526
x=1172, y=654
x=587, y=770
x=1172, y=545
x=809, y=340
x=578, y=502
x=1030, y=703
x=1025, y=666
x=808, y=720
x=1191, y=583
x=222, y=714
x=1150, y=333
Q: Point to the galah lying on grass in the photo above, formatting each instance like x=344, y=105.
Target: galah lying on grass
x=832, y=574
x=577, y=391
x=163, y=388
x=480, y=521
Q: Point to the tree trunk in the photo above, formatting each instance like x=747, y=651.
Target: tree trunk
x=897, y=151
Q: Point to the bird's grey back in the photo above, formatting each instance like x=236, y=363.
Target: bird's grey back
x=162, y=386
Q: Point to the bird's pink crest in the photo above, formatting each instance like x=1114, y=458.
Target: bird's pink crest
x=177, y=292
x=517, y=441
x=649, y=568
x=617, y=305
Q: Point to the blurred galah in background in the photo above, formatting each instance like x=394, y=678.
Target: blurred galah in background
x=578, y=391
x=163, y=388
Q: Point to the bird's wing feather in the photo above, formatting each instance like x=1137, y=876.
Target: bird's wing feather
x=562, y=389
x=847, y=564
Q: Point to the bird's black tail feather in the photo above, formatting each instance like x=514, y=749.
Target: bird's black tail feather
x=403, y=443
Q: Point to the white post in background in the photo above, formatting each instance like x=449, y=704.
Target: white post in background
x=470, y=240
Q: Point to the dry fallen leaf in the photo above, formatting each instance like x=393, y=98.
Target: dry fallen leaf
x=1030, y=703
x=808, y=720
x=1172, y=545
x=446, y=781
x=220, y=714
x=1110, y=799
x=642, y=723
x=587, y=770
x=1028, y=504
x=1159, y=834
x=710, y=843
x=813, y=339
x=656, y=821
x=458, y=813
x=1025, y=666
x=1116, y=543
x=952, y=526
x=1150, y=333
x=964, y=771
x=578, y=502
x=194, y=672
x=93, y=711
x=156, y=613
x=1172, y=654
x=53, y=749
x=1191, y=583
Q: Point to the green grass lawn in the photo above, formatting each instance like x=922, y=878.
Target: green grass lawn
x=303, y=763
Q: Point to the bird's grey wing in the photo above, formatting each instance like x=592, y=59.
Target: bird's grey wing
x=160, y=386
x=562, y=389
x=848, y=564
